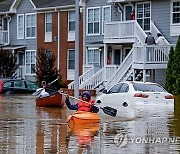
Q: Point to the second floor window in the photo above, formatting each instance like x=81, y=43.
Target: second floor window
x=144, y=15
x=93, y=20
x=71, y=21
x=30, y=25
x=48, y=22
x=176, y=13
x=20, y=26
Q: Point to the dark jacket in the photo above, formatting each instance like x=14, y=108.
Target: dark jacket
x=70, y=106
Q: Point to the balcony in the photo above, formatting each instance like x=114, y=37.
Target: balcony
x=4, y=37
x=123, y=32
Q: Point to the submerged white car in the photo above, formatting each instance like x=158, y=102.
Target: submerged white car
x=129, y=96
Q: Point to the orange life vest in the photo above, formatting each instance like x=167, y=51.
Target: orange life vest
x=82, y=106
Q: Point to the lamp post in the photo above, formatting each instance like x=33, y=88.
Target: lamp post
x=76, y=79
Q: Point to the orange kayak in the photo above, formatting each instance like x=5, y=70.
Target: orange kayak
x=83, y=117
x=50, y=101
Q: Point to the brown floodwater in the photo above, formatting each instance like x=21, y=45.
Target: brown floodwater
x=26, y=129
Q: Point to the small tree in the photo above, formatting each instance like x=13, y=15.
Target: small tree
x=46, y=69
x=8, y=63
x=169, y=77
x=176, y=68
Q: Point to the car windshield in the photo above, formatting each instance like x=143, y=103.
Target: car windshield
x=148, y=87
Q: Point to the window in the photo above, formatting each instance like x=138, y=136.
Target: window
x=124, y=88
x=30, y=61
x=93, y=56
x=176, y=13
x=20, y=26
x=19, y=84
x=144, y=15
x=93, y=20
x=71, y=20
x=30, y=25
x=48, y=22
x=71, y=59
x=106, y=16
x=115, y=89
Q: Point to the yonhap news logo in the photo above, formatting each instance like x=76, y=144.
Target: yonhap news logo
x=121, y=140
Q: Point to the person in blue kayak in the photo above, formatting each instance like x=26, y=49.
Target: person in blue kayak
x=87, y=104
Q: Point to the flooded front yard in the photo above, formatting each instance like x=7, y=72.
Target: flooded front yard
x=26, y=129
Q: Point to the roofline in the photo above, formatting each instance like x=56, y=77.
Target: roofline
x=58, y=7
x=7, y=12
x=18, y=1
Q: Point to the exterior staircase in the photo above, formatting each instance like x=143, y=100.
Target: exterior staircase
x=141, y=57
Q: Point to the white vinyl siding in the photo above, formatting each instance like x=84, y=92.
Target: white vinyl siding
x=106, y=16
x=48, y=27
x=93, y=21
x=71, y=25
x=175, y=18
x=20, y=26
x=30, y=61
x=30, y=25
x=143, y=15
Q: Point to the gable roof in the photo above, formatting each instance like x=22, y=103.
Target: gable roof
x=6, y=5
x=52, y=3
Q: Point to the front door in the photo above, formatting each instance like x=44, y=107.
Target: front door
x=127, y=15
x=117, y=56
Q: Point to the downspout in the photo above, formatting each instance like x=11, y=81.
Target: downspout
x=58, y=58
x=9, y=17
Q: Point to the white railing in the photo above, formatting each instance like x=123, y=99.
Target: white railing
x=155, y=30
x=124, y=30
x=119, y=30
x=4, y=38
x=121, y=71
x=151, y=54
x=139, y=33
x=99, y=77
x=83, y=78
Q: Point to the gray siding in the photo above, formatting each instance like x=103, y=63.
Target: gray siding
x=160, y=76
x=161, y=12
x=115, y=16
x=24, y=7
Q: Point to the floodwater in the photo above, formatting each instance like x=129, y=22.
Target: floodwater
x=26, y=129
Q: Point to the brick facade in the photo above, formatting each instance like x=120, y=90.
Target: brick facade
x=64, y=43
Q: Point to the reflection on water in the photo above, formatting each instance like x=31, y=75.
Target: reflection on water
x=25, y=129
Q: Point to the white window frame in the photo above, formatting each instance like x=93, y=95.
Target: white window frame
x=92, y=34
x=174, y=27
x=143, y=15
x=48, y=35
x=87, y=55
x=29, y=73
x=70, y=72
x=68, y=59
x=103, y=21
x=27, y=37
x=71, y=33
x=20, y=15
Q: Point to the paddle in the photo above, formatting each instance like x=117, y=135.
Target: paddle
x=107, y=110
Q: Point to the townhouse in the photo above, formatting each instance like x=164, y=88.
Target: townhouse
x=114, y=42
x=29, y=25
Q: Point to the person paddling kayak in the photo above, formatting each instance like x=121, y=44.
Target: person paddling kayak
x=81, y=105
